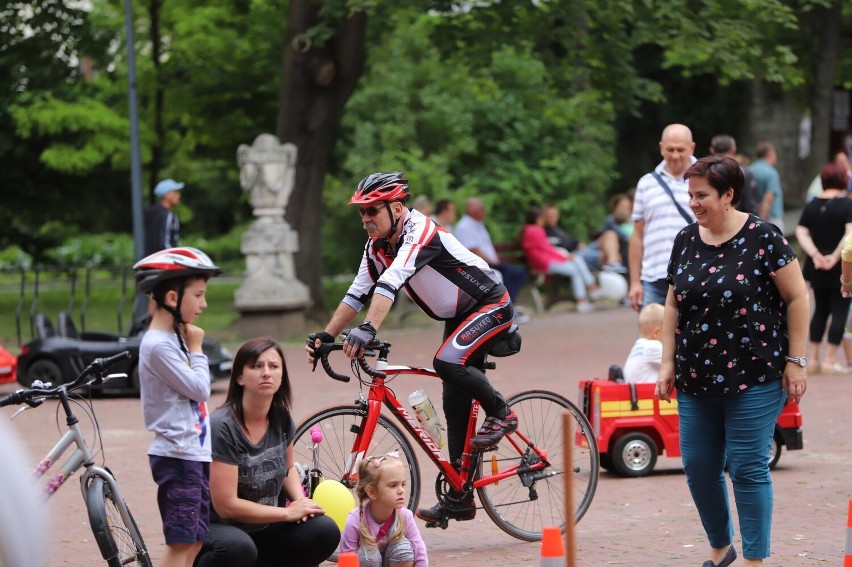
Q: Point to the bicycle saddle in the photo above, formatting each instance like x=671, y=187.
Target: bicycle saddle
x=508, y=343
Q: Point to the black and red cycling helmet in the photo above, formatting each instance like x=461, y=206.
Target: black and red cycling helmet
x=173, y=263
x=387, y=187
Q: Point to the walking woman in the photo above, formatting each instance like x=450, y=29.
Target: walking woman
x=823, y=226
x=734, y=338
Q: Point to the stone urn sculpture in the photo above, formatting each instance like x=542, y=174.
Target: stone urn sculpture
x=271, y=300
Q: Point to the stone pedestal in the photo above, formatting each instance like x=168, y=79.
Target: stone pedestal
x=271, y=301
x=279, y=325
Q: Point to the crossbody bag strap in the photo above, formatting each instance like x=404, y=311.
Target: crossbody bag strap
x=668, y=190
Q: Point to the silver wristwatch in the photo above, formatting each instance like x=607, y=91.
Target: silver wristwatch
x=800, y=360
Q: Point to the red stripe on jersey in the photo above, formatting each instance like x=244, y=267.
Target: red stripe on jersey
x=427, y=235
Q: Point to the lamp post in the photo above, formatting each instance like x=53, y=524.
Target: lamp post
x=140, y=304
x=135, y=153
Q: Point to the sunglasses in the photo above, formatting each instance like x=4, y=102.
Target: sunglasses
x=370, y=211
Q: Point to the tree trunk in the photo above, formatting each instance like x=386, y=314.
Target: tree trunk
x=316, y=83
x=825, y=28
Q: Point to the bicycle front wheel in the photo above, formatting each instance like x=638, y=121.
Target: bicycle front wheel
x=120, y=542
x=340, y=425
x=526, y=503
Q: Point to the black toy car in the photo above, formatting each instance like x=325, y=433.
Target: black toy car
x=59, y=357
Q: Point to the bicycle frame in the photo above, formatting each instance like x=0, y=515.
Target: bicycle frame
x=379, y=395
x=518, y=492
x=81, y=457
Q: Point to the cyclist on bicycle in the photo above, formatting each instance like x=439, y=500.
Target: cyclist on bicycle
x=408, y=251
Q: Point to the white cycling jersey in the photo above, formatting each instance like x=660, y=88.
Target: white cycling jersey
x=441, y=276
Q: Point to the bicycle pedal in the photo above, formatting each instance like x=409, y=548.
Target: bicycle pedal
x=443, y=524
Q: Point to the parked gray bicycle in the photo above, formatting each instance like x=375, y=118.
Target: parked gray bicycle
x=115, y=530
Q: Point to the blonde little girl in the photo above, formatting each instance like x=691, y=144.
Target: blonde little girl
x=382, y=530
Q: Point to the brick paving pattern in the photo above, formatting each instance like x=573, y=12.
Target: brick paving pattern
x=631, y=522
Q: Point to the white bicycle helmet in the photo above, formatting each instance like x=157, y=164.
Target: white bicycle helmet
x=173, y=263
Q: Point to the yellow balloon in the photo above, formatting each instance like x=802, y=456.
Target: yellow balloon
x=336, y=500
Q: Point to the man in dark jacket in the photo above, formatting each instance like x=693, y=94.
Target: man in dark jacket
x=162, y=228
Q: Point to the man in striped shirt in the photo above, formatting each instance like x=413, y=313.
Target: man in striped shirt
x=658, y=215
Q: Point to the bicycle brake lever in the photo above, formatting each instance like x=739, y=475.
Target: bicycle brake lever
x=19, y=410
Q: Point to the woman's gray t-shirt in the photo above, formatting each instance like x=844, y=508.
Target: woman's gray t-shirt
x=261, y=466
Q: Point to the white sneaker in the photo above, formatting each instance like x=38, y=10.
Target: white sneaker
x=521, y=318
x=585, y=307
x=596, y=294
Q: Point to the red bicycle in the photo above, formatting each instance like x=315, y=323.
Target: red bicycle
x=520, y=484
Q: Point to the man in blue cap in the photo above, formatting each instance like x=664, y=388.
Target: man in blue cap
x=162, y=228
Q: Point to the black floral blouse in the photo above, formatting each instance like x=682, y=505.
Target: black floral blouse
x=732, y=322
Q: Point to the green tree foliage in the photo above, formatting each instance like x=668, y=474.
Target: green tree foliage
x=216, y=67
x=515, y=102
x=42, y=46
x=461, y=125
x=85, y=133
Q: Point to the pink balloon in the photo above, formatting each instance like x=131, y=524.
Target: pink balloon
x=316, y=434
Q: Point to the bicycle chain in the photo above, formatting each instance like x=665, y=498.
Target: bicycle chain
x=443, y=500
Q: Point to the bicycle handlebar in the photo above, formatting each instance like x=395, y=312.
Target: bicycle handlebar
x=362, y=362
x=321, y=355
x=33, y=397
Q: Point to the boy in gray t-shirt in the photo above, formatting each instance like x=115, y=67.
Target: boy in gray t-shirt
x=174, y=380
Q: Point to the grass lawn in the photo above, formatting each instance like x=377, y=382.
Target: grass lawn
x=106, y=307
x=104, y=303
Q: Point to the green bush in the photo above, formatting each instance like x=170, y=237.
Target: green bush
x=224, y=250
x=107, y=249
x=13, y=257
x=111, y=249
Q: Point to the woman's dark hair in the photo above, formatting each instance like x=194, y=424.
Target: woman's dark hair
x=834, y=176
x=532, y=215
x=616, y=199
x=721, y=172
x=443, y=205
x=248, y=354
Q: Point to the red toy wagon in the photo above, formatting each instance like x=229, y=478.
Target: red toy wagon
x=8, y=364
x=633, y=427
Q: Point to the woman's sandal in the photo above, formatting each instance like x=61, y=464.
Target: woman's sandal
x=729, y=558
x=834, y=369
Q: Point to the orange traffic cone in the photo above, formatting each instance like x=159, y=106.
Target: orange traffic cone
x=347, y=559
x=847, y=561
x=552, y=550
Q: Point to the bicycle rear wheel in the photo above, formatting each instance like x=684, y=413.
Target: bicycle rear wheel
x=523, y=511
x=339, y=426
x=120, y=543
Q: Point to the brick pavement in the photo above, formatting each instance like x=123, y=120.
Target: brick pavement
x=632, y=522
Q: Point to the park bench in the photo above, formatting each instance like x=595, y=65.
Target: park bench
x=545, y=290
